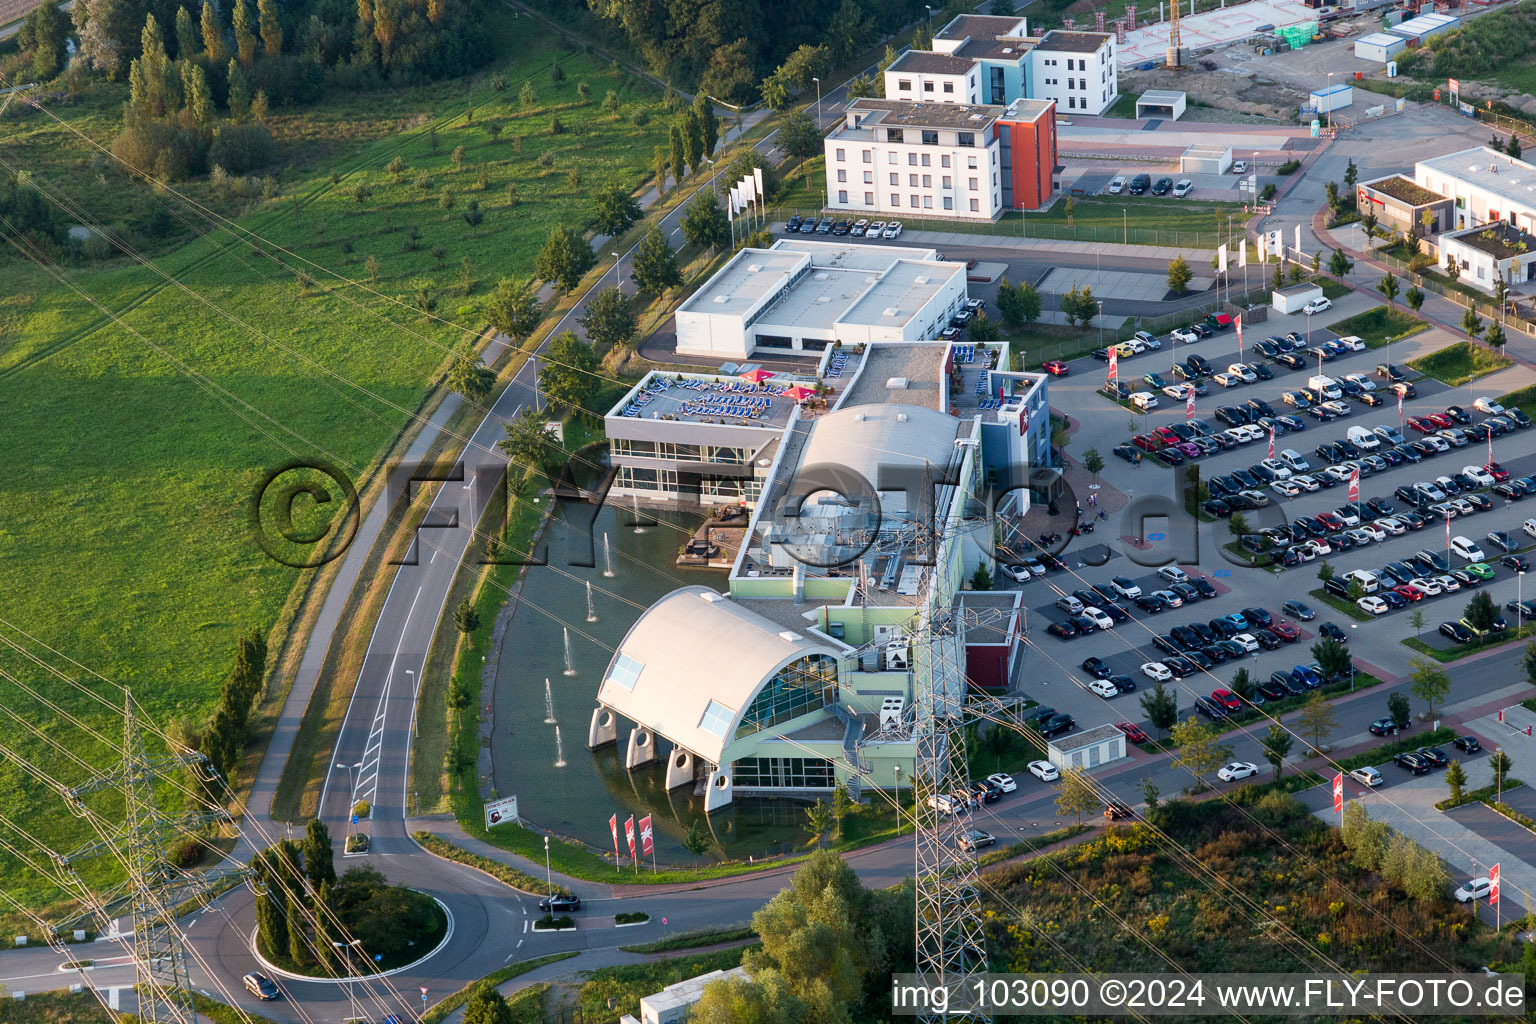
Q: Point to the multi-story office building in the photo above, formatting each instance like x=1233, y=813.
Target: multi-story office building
x=962, y=161
x=1076, y=69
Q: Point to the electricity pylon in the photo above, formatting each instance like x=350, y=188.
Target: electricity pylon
x=154, y=888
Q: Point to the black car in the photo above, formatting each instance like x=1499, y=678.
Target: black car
x=1233, y=416
x=1434, y=756
x=1519, y=563
x=1056, y=725
x=1125, y=684
x=1186, y=591
x=1261, y=371
x=1162, y=187
x=1468, y=744
x=1291, y=360
x=1260, y=406
x=1383, y=727
x=1036, y=715
x=1258, y=617
x=987, y=792
x=1267, y=640
x=560, y=904
x=1456, y=632
x=1166, y=643
x=1287, y=682
x=1274, y=691
x=1066, y=629
x=1203, y=586
x=1150, y=604
x=1198, y=658
x=1096, y=667
x=1332, y=631
x=1380, y=506
x=1391, y=372
x=842, y=227
x=1329, y=452
x=1413, y=762
x=1140, y=184
x=793, y=224
x=1130, y=453
x=1210, y=709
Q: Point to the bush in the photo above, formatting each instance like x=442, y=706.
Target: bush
x=362, y=809
x=242, y=147
x=631, y=917
x=549, y=922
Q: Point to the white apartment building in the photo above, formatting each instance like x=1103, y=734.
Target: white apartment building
x=1076, y=69
x=922, y=77
x=898, y=157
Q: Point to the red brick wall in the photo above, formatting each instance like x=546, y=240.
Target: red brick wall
x=1034, y=158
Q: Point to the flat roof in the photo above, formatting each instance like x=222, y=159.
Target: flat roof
x=1073, y=42
x=1207, y=150
x=920, y=364
x=1086, y=738
x=1498, y=239
x=1162, y=97
x=1023, y=109
x=1011, y=47
x=1404, y=189
x=853, y=255
x=977, y=25
x=908, y=114
x=749, y=277
x=714, y=398
x=925, y=62
x=1383, y=39
x=818, y=299
x=1511, y=179
x=901, y=291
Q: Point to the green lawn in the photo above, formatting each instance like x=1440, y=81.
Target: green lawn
x=127, y=479
x=1523, y=399
x=1342, y=606
x=1460, y=363
x=1446, y=656
x=611, y=992
x=1134, y=220
x=1378, y=326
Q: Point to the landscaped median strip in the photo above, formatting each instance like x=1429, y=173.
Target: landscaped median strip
x=519, y=880
x=449, y=1003
x=1487, y=795
x=1449, y=654
x=1379, y=326
x=693, y=940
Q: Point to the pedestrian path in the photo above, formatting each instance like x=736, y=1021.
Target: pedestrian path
x=1057, y=245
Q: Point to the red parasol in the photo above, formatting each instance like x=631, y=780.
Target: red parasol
x=757, y=376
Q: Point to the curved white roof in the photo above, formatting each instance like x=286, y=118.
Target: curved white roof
x=866, y=437
x=694, y=653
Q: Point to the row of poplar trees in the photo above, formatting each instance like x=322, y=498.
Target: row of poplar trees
x=295, y=919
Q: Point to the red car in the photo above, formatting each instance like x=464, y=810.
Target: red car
x=1056, y=368
x=1440, y=419
x=1422, y=424
x=1227, y=699
x=1331, y=522
x=1133, y=733
x=1148, y=443
x=1409, y=592
x=1167, y=434
x=1285, y=631
x=1498, y=472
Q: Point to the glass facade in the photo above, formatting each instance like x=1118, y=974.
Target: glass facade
x=784, y=772
x=798, y=688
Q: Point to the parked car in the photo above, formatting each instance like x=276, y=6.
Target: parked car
x=558, y=904
x=975, y=839
x=1237, y=770
x=1182, y=188
x=1044, y=771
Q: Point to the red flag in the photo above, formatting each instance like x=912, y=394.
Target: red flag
x=1189, y=403
x=1338, y=793
x=613, y=826
x=1447, y=529
x=1114, y=363
x=1490, y=451
x=1493, y=891
x=1354, y=485
x=1399, y=408
x=645, y=835
x=1237, y=322
x=1271, y=442
x=629, y=834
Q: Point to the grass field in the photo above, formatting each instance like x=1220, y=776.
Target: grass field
x=1379, y=326
x=1460, y=363
x=124, y=542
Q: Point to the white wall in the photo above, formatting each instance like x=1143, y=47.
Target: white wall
x=711, y=334
x=1055, y=74
x=850, y=191
x=929, y=88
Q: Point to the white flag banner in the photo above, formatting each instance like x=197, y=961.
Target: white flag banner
x=735, y=201
x=730, y=210
x=1221, y=259
x=757, y=177
x=1242, y=254
x=1298, y=241
x=746, y=187
x=1263, y=255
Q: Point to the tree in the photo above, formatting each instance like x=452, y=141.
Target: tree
x=1399, y=711
x=1427, y=221
x=1368, y=225
x=1199, y=750
x=1512, y=147
x=569, y=374
x=1332, y=657
x=610, y=319
x=514, y=309
x=1501, y=763
x=1243, y=683
x=473, y=215
x=1414, y=296
x=1325, y=571
x=213, y=36
x=564, y=258
x=1237, y=525
x=1351, y=174
x=1161, y=706
x=1416, y=620
x=319, y=858
x=1331, y=193
x=984, y=328
x=981, y=579
x=271, y=27
x=1079, y=305
x=1481, y=612
x=678, y=155
x=1495, y=143
x=704, y=224
x=1277, y=744
x=1495, y=337
x=1339, y=264
x=45, y=34
x=526, y=97
x=107, y=30
x=1069, y=207
x=1452, y=268
x=1076, y=794
x=798, y=135
x=1093, y=462
x=1456, y=779
x=818, y=821
x=245, y=38
x=239, y=93
x=1388, y=287
x=487, y=1006
x=1428, y=683
x=528, y=443
x=1316, y=720
x=763, y=998
x=1528, y=662
x=1179, y=274
x=1471, y=323
x=709, y=124
x=1029, y=301
x=1277, y=280
x=695, y=840
x=654, y=266
x=1008, y=303
x=465, y=618
x=693, y=139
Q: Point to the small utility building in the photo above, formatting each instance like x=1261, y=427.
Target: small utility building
x=1425, y=27
x=1164, y=103
x=1088, y=749
x=1206, y=160
x=1379, y=47
x=1334, y=97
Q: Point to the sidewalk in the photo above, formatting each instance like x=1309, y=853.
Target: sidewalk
x=1060, y=245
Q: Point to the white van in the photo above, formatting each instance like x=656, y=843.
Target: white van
x=1144, y=400
x=943, y=803
x=1292, y=458
x=1327, y=385
x=1362, y=438
x=1365, y=576
x=1467, y=548
x=1529, y=526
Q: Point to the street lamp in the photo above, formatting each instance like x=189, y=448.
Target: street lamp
x=618, y=275
x=549, y=879
x=1329, y=95
x=352, y=785
x=818, y=102
x=1519, y=602
x=346, y=954
x=1101, y=323
x=896, y=770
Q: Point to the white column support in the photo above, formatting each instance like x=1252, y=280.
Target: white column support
x=642, y=748
x=679, y=768
x=604, y=729
x=718, y=793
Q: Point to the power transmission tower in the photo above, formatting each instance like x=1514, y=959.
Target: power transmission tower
x=951, y=945
x=154, y=888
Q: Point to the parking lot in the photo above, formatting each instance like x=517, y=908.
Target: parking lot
x=1376, y=644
